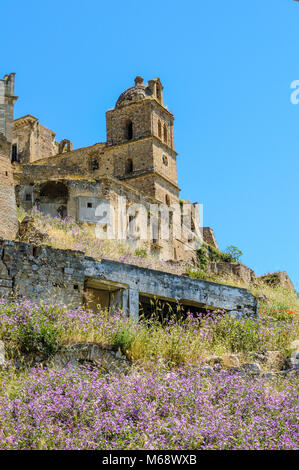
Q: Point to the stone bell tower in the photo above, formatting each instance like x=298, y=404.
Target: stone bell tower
x=140, y=141
x=8, y=210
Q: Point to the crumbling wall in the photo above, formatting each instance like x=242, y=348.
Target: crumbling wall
x=41, y=273
x=209, y=237
x=32, y=140
x=66, y=277
x=281, y=279
x=232, y=270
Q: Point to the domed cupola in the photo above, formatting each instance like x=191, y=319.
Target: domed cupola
x=136, y=93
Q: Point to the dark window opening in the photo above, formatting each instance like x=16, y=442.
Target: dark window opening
x=54, y=190
x=131, y=225
x=167, y=200
x=28, y=197
x=36, y=251
x=129, y=130
x=14, y=153
x=165, y=310
x=89, y=205
x=94, y=165
x=165, y=160
x=129, y=166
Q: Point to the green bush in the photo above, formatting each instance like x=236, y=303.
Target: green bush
x=123, y=336
x=208, y=253
x=141, y=253
x=234, y=253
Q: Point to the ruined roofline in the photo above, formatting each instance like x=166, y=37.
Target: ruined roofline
x=29, y=118
x=59, y=155
x=9, y=85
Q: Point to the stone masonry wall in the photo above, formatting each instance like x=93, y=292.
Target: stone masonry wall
x=61, y=277
x=8, y=212
x=33, y=140
x=116, y=120
x=41, y=273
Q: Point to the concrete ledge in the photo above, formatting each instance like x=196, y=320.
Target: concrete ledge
x=62, y=276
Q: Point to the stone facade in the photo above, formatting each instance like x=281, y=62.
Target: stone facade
x=8, y=213
x=137, y=162
x=32, y=142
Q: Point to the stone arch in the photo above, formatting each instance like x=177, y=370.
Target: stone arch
x=65, y=146
x=53, y=199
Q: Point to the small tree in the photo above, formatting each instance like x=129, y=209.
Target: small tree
x=234, y=252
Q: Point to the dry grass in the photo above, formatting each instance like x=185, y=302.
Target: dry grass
x=276, y=302
x=67, y=234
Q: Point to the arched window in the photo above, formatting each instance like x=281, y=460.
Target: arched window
x=54, y=190
x=159, y=129
x=165, y=133
x=129, y=166
x=129, y=130
x=167, y=200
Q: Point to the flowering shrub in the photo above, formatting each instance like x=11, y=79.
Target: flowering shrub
x=33, y=328
x=158, y=409
x=44, y=328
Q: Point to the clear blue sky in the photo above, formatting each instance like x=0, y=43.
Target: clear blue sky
x=226, y=67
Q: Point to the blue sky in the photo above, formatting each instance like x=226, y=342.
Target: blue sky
x=227, y=69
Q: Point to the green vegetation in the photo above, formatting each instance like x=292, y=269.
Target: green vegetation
x=234, y=252
x=208, y=253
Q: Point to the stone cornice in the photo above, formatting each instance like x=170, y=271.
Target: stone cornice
x=153, y=137
x=152, y=171
x=144, y=101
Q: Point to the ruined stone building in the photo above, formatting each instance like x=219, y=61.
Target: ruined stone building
x=137, y=164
